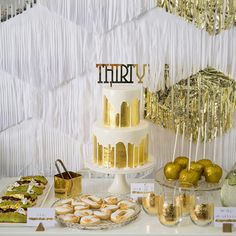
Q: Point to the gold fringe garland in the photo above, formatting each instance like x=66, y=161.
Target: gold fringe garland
x=207, y=97
x=212, y=15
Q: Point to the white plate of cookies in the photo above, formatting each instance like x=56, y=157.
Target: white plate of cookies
x=95, y=213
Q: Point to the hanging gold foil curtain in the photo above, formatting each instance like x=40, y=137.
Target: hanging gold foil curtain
x=207, y=97
x=211, y=15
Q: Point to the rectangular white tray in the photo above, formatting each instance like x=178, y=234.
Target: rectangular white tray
x=40, y=200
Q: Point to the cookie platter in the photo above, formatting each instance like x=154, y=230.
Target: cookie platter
x=90, y=212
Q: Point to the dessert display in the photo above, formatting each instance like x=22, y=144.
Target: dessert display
x=121, y=139
x=93, y=212
x=121, y=142
x=19, y=196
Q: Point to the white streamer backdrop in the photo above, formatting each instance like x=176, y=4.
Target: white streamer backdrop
x=49, y=96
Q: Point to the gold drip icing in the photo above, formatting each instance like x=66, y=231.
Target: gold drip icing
x=141, y=153
x=120, y=155
x=135, y=112
x=145, y=150
x=136, y=157
x=129, y=114
x=131, y=154
x=125, y=115
x=117, y=120
x=111, y=157
x=95, y=145
x=106, y=117
x=100, y=154
x=108, y=156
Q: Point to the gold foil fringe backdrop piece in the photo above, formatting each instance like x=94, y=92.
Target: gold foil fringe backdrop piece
x=205, y=99
x=211, y=15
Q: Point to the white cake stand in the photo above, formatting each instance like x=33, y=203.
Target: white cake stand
x=120, y=185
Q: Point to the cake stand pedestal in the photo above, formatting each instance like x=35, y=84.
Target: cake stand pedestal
x=120, y=185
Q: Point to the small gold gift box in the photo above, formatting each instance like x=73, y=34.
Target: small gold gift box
x=67, y=183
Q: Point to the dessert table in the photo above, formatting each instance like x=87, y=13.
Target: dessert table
x=145, y=224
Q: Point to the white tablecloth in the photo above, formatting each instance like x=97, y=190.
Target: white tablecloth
x=143, y=225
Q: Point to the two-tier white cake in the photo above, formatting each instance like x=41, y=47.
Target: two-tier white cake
x=121, y=139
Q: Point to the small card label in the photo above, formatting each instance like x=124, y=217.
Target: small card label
x=224, y=215
x=46, y=216
x=141, y=189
